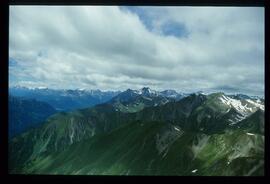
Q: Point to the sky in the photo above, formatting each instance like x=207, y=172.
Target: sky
x=187, y=49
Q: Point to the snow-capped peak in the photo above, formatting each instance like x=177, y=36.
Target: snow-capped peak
x=256, y=103
x=139, y=92
x=147, y=91
x=245, y=107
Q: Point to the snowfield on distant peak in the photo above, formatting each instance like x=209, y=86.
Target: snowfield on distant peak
x=139, y=92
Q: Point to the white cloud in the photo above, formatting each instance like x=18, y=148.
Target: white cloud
x=111, y=48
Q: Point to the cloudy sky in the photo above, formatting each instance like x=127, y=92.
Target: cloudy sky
x=114, y=48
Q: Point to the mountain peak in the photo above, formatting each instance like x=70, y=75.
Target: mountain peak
x=218, y=94
x=169, y=92
x=200, y=93
x=148, y=92
x=145, y=89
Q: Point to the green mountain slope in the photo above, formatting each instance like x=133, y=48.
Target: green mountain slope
x=198, y=135
x=157, y=148
x=62, y=130
x=254, y=123
x=66, y=128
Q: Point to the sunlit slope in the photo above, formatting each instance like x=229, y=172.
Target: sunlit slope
x=157, y=148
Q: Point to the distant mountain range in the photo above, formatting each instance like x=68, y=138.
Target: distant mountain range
x=64, y=100
x=23, y=99
x=136, y=100
x=25, y=114
x=145, y=132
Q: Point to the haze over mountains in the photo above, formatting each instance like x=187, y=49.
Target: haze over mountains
x=64, y=100
x=145, y=132
x=26, y=113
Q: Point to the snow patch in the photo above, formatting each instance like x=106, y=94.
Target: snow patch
x=239, y=118
x=176, y=129
x=256, y=104
x=243, y=109
x=72, y=130
x=42, y=87
x=250, y=133
x=194, y=171
x=139, y=92
x=237, y=104
x=258, y=101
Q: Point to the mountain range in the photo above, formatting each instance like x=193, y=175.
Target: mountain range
x=145, y=132
x=23, y=99
x=66, y=99
x=136, y=100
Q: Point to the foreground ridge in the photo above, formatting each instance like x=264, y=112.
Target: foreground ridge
x=144, y=133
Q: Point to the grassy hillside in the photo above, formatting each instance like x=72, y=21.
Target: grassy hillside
x=157, y=148
x=198, y=135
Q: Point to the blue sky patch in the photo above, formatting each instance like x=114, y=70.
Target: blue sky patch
x=174, y=29
x=142, y=14
x=169, y=28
